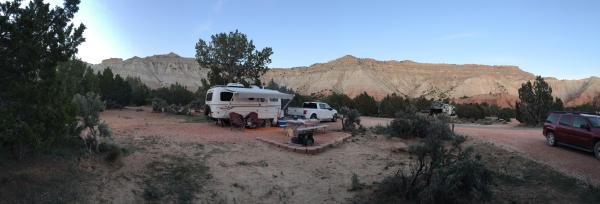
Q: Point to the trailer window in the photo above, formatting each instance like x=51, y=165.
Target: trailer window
x=226, y=96
x=274, y=99
x=209, y=96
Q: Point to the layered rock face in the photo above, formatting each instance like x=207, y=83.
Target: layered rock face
x=350, y=75
x=158, y=70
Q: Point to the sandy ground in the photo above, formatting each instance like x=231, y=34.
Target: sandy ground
x=242, y=169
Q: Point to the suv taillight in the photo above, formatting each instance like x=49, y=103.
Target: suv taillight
x=305, y=112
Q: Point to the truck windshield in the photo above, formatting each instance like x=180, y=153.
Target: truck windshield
x=595, y=121
x=309, y=105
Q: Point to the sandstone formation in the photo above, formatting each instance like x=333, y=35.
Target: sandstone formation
x=158, y=70
x=351, y=75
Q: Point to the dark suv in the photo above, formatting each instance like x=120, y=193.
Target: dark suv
x=576, y=130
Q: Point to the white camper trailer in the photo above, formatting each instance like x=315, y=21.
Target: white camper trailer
x=235, y=98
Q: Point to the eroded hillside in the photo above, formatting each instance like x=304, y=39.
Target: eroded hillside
x=351, y=75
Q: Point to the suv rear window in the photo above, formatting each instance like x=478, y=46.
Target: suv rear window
x=552, y=118
x=309, y=105
x=595, y=121
x=565, y=120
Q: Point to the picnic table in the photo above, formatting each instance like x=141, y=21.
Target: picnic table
x=302, y=131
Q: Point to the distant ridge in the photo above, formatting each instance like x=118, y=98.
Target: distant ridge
x=352, y=75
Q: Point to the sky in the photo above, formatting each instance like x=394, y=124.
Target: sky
x=548, y=38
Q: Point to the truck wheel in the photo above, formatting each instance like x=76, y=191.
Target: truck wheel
x=597, y=150
x=550, y=139
x=313, y=116
x=334, y=119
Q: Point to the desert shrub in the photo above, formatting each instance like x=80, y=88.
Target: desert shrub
x=113, y=152
x=421, y=103
x=506, y=114
x=379, y=129
x=350, y=119
x=409, y=125
x=159, y=105
x=470, y=111
x=365, y=104
x=392, y=104
x=438, y=174
x=88, y=113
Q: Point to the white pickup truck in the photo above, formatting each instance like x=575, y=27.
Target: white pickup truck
x=314, y=110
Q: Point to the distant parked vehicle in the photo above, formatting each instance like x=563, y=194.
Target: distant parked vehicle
x=438, y=107
x=575, y=130
x=314, y=110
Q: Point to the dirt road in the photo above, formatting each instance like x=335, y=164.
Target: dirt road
x=531, y=143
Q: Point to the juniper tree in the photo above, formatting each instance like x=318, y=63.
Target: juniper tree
x=34, y=39
x=231, y=57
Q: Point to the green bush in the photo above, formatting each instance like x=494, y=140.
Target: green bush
x=470, y=111
x=339, y=100
x=392, y=104
x=506, y=114
x=88, y=112
x=351, y=119
x=365, y=104
x=159, y=105
x=438, y=174
x=113, y=152
x=175, y=94
x=410, y=125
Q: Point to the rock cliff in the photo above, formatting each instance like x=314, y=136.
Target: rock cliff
x=351, y=75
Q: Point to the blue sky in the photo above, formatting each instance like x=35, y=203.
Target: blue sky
x=548, y=38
